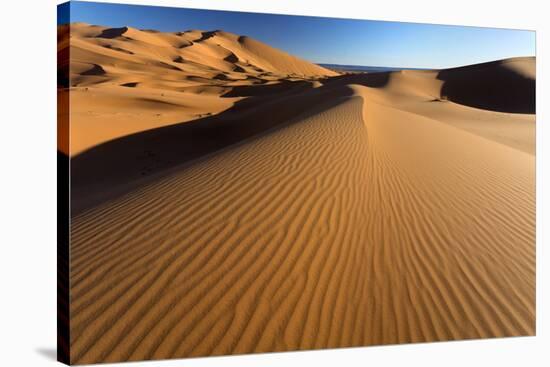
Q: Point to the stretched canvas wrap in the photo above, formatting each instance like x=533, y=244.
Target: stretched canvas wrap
x=236, y=183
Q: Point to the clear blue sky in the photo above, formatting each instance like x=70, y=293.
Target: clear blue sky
x=327, y=40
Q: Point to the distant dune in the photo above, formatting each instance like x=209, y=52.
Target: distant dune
x=146, y=79
x=505, y=85
x=230, y=198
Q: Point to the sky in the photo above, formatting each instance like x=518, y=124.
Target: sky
x=325, y=40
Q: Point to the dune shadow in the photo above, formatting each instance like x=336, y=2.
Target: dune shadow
x=238, y=69
x=95, y=70
x=489, y=86
x=206, y=35
x=167, y=66
x=114, y=48
x=178, y=59
x=113, y=32
x=130, y=84
x=221, y=76
x=372, y=80
x=231, y=58
x=185, y=44
x=113, y=168
x=257, y=90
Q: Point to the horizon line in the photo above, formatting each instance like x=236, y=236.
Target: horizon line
x=321, y=63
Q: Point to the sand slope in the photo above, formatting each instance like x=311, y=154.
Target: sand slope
x=361, y=224
x=125, y=80
x=423, y=92
x=230, y=198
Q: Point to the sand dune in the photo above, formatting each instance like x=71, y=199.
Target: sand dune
x=423, y=92
x=505, y=85
x=162, y=68
x=304, y=212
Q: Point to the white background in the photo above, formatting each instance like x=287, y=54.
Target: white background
x=28, y=183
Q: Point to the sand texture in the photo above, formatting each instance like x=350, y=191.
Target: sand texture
x=284, y=207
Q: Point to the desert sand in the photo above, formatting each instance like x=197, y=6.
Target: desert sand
x=230, y=198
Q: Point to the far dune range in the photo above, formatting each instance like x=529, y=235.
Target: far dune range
x=230, y=198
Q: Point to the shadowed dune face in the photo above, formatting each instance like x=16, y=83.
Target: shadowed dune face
x=136, y=156
x=121, y=162
x=229, y=198
x=505, y=86
x=113, y=32
x=95, y=70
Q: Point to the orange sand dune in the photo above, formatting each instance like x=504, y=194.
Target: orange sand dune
x=307, y=211
x=145, y=79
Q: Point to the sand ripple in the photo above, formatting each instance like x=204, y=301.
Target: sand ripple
x=359, y=225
